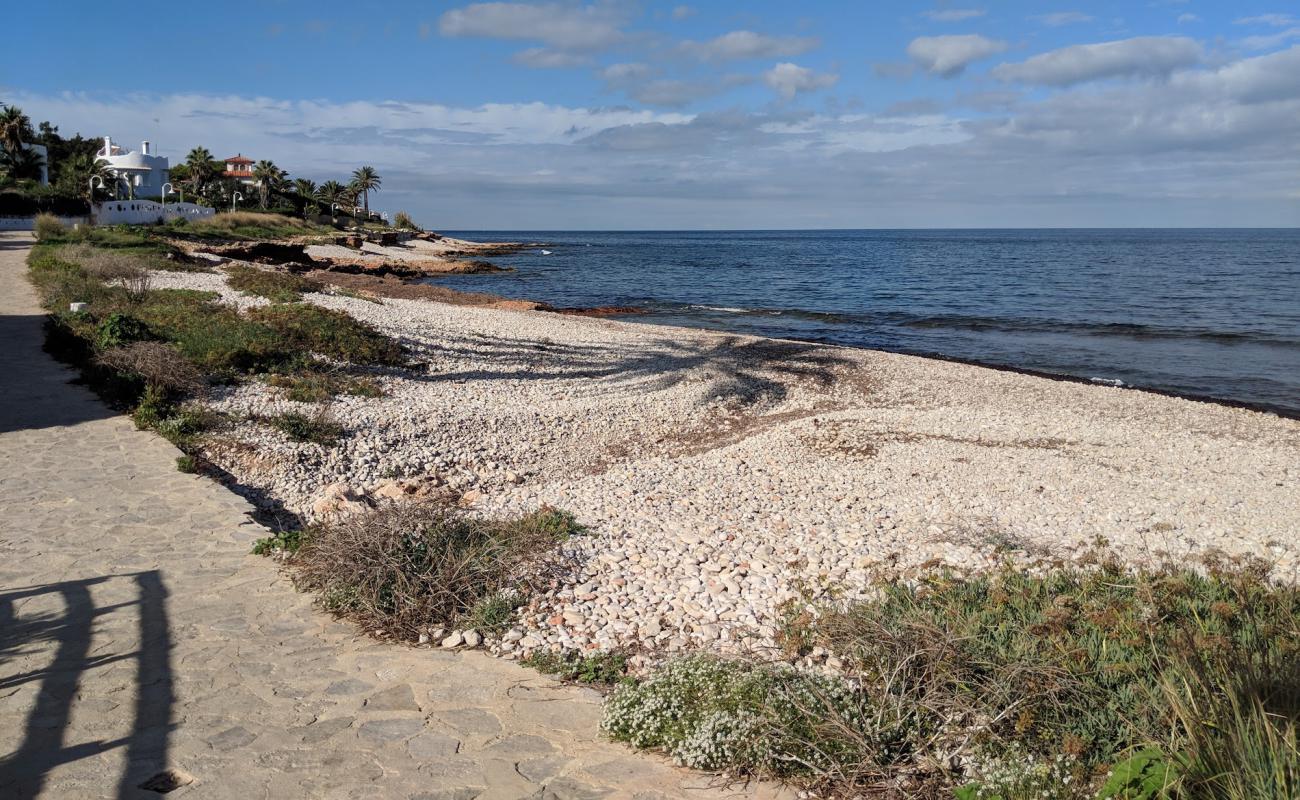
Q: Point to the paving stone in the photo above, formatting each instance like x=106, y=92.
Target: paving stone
x=398, y=698
x=390, y=730
x=429, y=746
x=470, y=721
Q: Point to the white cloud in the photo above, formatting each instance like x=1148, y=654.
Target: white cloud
x=544, y=58
x=1060, y=18
x=634, y=70
x=788, y=79
x=948, y=56
x=1141, y=57
x=682, y=12
x=954, y=14
x=739, y=45
x=1270, y=41
x=1272, y=20
x=562, y=26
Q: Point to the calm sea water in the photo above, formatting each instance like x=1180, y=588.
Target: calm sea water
x=1210, y=313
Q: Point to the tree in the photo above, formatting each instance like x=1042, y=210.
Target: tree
x=266, y=173
x=306, y=189
x=331, y=192
x=366, y=180
x=76, y=172
x=202, y=168
x=23, y=164
x=15, y=129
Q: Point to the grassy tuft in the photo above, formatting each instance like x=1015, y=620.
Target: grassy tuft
x=600, y=668
x=306, y=327
x=278, y=287
x=48, y=227
x=406, y=567
x=319, y=386
x=316, y=429
x=248, y=225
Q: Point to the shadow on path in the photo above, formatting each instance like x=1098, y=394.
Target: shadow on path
x=24, y=772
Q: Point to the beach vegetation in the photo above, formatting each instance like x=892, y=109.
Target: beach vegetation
x=247, y=226
x=319, y=385
x=276, y=286
x=602, y=668
x=1074, y=683
x=319, y=428
x=306, y=327
x=403, y=221
x=406, y=567
x=48, y=227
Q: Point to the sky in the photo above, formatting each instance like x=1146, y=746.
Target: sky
x=619, y=114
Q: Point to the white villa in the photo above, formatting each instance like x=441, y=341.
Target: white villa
x=144, y=172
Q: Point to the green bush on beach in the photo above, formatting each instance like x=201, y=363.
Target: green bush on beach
x=406, y=567
x=278, y=287
x=1172, y=682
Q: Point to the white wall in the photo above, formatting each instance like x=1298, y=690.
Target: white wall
x=145, y=212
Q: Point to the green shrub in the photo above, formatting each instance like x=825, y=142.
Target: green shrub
x=1239, y=730
x=494, y=613
x=766, y=720
x=1013, y=774
x=286, y=541
x=249, y=225
x=601, y=668
x=187, y=464
x=306, y=327
x=48, y=227
x=1069, y=662
x=118, y=329
x=278, y=287
x=317, y=429
x=406, y=567
x=318, y=386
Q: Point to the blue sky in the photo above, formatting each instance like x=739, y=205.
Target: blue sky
x=621, y=114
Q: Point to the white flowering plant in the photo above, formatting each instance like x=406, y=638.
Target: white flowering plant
x=758, y=719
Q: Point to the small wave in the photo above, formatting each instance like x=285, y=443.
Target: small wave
x=1107, y=381
x=724, y=309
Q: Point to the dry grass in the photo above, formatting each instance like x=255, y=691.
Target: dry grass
x=158, y=364
x=405, y=567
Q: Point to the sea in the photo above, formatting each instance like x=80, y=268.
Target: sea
x=1210, y=314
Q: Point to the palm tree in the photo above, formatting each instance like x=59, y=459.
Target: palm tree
x=77, y=171
x=366, y=180
x=331, y=192
x=266, y=173
x=23, y=164
x=200, y=164
x=15, y=128
x=306, y=189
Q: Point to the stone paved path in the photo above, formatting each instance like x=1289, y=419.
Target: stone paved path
x=139, y=640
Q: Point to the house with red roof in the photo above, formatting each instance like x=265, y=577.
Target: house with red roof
x=240, y=168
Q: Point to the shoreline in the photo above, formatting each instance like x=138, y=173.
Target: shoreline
x=758, y=463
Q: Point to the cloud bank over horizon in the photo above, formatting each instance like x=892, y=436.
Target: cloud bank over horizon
x=766, y=126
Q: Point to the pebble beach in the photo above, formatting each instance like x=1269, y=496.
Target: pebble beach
x=721, y=476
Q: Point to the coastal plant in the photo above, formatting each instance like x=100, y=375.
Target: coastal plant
x=1013, y=774
x=47, y=227
x=278, y=287
x=306, y=327
x=159, y=365
x=601, y=668
x=494, y=613
x=317, y=428
x=119, y=329
x=1238, y=728
x=320, y=385
x=1071, y=661
x=188, y=464
x=250, y=226
x=763, y=720
x=406, y=567
x=284, y=542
